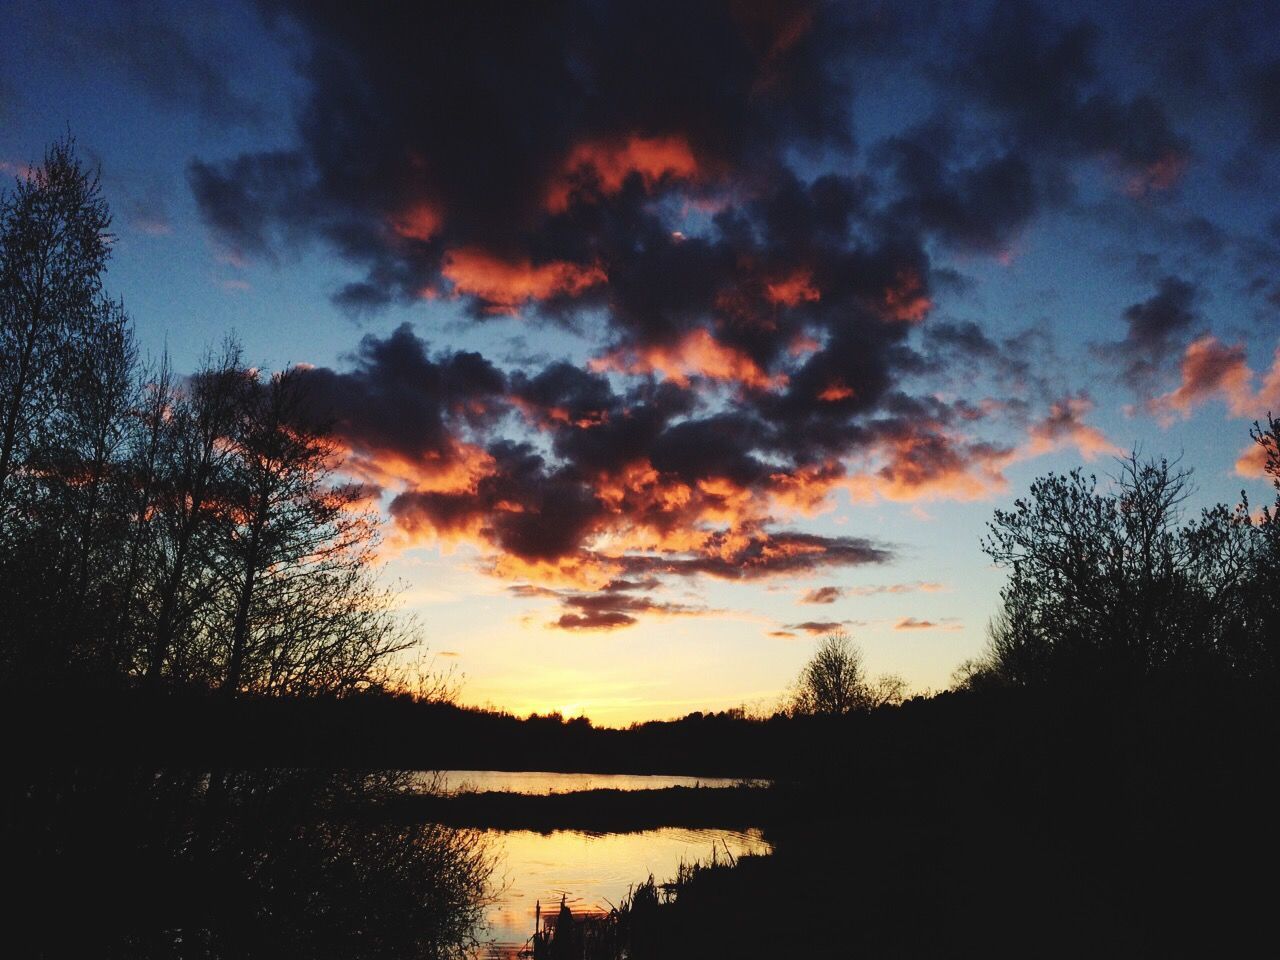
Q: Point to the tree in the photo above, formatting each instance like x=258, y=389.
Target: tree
x=1116, y=585
x=53, y=248
x=192, y=479
x=296, y=547
x=833, y=681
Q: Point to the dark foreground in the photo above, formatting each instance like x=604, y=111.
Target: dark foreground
x=1138, y=827
x=989, y=823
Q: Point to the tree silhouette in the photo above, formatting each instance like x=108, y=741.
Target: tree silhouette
x=184, y=532
x=53, y=247
x=833, y=682
x=1119, y=585
x=297, y=548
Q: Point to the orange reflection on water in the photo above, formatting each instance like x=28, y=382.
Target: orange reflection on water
x=593, y=872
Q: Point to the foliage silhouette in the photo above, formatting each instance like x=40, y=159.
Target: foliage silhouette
x=1118, y=586
x=175, y=550
x=833, y=682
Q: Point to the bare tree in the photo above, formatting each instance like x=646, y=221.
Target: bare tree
x=192, y=481
x=834, y=682
x=53, y=248
x=295, y=550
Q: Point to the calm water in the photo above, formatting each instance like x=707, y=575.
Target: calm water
x=534, y=782
x=592, y=871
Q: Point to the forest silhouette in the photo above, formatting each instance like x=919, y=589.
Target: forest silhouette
x=197, y=668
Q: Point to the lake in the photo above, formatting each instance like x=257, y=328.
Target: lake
x=591, y=871
x=518, y=781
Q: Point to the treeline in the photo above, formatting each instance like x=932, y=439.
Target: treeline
x=161, y=530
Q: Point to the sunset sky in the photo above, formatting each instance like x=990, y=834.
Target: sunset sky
x=671, y=335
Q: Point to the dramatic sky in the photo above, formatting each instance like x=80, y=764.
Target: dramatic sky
x=673, y=334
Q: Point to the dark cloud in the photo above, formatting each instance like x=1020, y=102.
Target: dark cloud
x=251, y=202
x=609, y=609
x=502, y=126
x=403, y=412
x=150, y=48
x=979, y=206
x=816, y=627
x=1168, y=312
x=612, y=609
x=1043, y=79
x=1158, y=329
x=767, y=554
x=1262, y=88
x=679, y=184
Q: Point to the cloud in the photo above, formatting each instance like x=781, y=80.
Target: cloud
x=928, y=462
x=604, y=166
x=816, y=627
x=1262, y=92
x=579, y=108
x=1252, y=461
x=612, y=607
x=406, y=417
x=924, y=586
x=976, y=206
x=1212, y=369
x=505, y=285
x=677, y=185
x=155, y=52
x=1065, y=425
x=1042, y=80
x=912, y=623
x=822, y=595
x=1157, y=331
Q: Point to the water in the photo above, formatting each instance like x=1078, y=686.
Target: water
x=540, y=782
x=592, y=871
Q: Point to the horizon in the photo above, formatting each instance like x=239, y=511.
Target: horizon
x=662, y=374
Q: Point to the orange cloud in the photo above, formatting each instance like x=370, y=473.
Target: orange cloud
x=836, y=391
x=697, y=354
x=806, y=489
x=1252, y=462
x=1065, y=426
x=793, y=289
x=905, y=300
x=802, y=344
x=1211, y=368
x=421, y=221
x=506, y=285
x=930, y=465
x=606, y=165
x=456, y=469
x=822, y=595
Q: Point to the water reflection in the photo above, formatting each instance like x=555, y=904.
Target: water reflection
x=591, y=871
x=248, y=863
x=536, y=782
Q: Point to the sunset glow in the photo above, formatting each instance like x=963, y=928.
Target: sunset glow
x=662, y=345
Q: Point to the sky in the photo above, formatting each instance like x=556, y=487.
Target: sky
x=670, y=336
